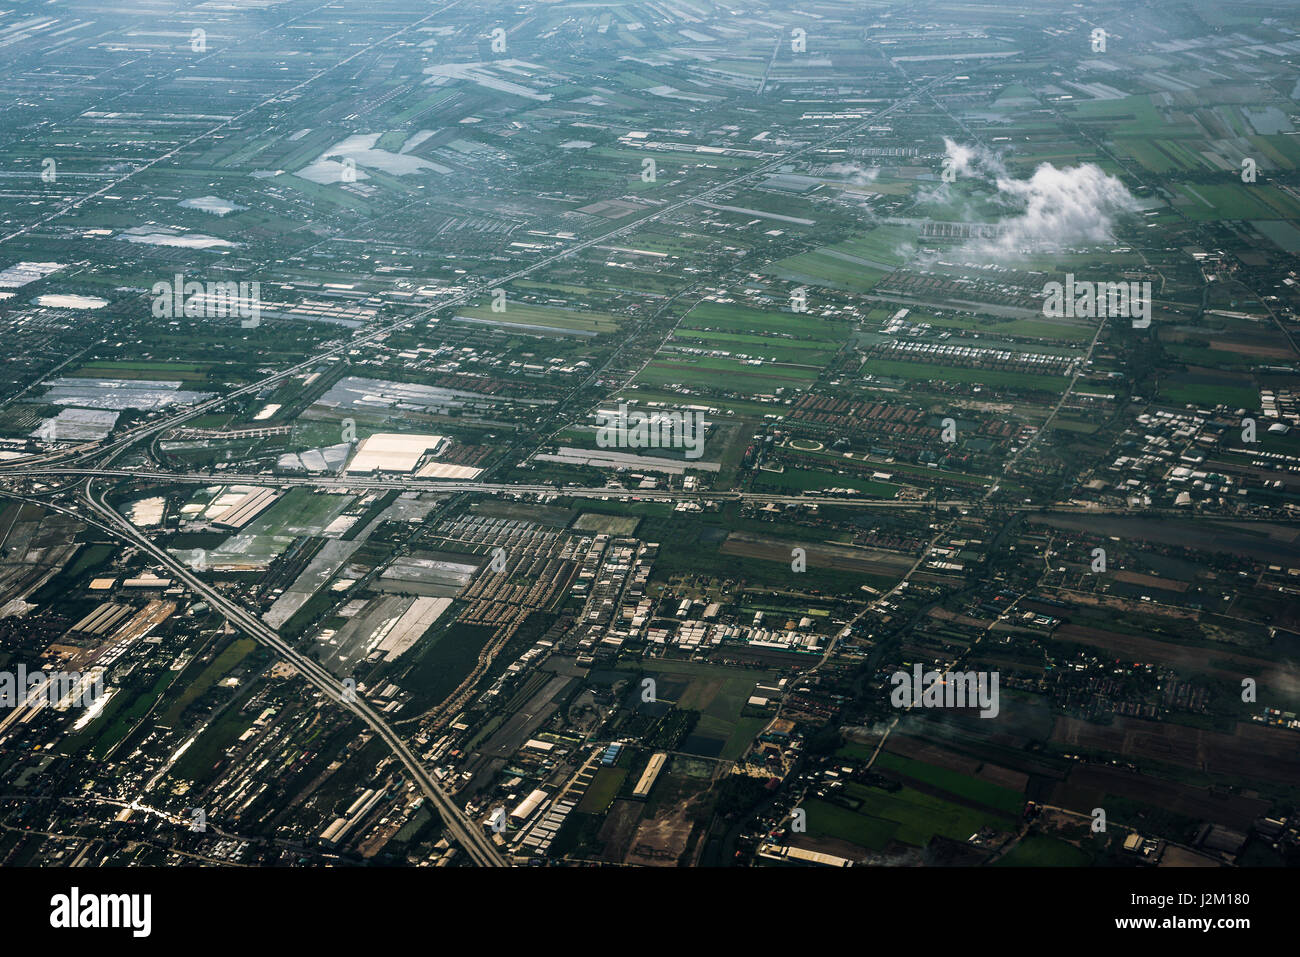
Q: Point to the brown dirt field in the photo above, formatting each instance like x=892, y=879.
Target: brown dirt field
x=1263, y=541
x=1280, y=677
x=1252, y=752
x=1125, y=604
x=1238, y=346
x=699, y=694
x=921, y=750
x=1088, y=784
x=868, y=561
x=1183, y=857
x=1151, y=581
x=618, y=828
x=660, y=842
x=826, y=845
x=943, y=614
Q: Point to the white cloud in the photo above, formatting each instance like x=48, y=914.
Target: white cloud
x=1055, y=207
x=857, y=174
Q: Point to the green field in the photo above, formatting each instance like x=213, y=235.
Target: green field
x=1210, y=394
x=803, y=327
x=922, y=816
x=603, y=790
x=234, y=653
x=765, y=347
x=907, y=816
x=719, y=694
x=953, y=782
x=831, y=820
x=1237, y=201
x=544, y=317
x=298, y=512
x=988, y=377
x=445, y=657
x=827, y=267
x=805, y=480
x=161, y=371
x=725, y=375
x=1038, y=850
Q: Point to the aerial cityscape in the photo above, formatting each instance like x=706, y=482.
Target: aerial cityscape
x=649, y=434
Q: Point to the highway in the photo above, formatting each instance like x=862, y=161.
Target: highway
x=466, y=832
x=409, y=484
x=469, y=835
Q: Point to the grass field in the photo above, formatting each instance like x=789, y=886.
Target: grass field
x=922, y=816
x=725, y=375
x=907, y=816
x=823, y=267
x=544, y=317
x=298, y=512
x=1237, y=201
x=804, y=480
x=603, y=790
x=764, y=347
x=606, y=524
x=1033, y=329
x=1038, y=850
x=953, y=782
x=831, y=820
x=719, y=694
x=1210, y=394
x=987, y=377
x=234, y=653
x=445, y=658
x=161, y=371
x=726, y=317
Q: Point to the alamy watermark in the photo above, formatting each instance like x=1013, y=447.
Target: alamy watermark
x=74, y=910
x=212, y=300
x=932, y=689
x=1083, y=299
x=69, y=689
x=658, y=429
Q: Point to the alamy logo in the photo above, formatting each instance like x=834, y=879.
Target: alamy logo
x=931, y=689
x=213, y=300
x=66, y=689
x=1093, y=300
x=657, y=430
x=74, y=910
